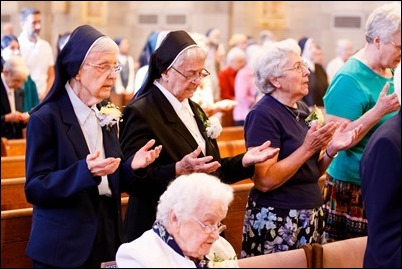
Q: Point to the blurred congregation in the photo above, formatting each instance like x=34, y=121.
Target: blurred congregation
x=200, y=134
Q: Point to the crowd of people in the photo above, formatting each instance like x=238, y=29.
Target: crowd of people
x=83, y=151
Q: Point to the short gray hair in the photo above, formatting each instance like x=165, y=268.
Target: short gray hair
x=16, y=66
x=189, y=54
x=384, y=21
x=102, y=44
x=188, y=193
x=270, y=61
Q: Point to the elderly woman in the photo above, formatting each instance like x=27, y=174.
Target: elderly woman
x=284, y=207
x=13, y=118
x=162, y=110
x=74, y=173
x=187, y=227
x=9, y=47
x=361, y=93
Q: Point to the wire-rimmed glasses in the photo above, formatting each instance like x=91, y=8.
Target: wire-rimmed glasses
x=203, y=74
x=106, y=67
x=298, y=67
x=211, y=228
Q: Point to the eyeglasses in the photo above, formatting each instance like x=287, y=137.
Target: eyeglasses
x=211, y=228
x=107, y=67
x=395, y=45
x=298, y=67
x=203, y=74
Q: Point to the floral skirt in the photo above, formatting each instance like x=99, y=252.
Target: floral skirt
x=267, y=229
x=343, y=207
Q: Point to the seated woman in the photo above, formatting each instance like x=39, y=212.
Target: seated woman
x=187, y=227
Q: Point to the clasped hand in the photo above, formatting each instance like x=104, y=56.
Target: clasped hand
x=333, y=133
x=191, y=163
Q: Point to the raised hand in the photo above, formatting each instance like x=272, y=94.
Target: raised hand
x=259, y=154
x=145, y=156
x=343, y=140
x=386, y=103
x=191, y=163
x=101, y=167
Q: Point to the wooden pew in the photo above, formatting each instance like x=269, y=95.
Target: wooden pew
x=13, y=194
x=13, y=147
x=231, y=148
x=296, y=258
x=347, y=253
x=235, y=216
x=15, y=231
x=12, y=166
x=231, y=133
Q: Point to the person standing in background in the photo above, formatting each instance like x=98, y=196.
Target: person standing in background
x=344, y=50
x=9, y=47
x=245, y=89
x=62, y=41
x=36, y=52
x=317, y=79
x=13, y=119
x=361, y=93
x=124, y=85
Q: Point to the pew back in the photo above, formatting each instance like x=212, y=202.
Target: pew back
x=297, y=258
x=347, y=253
x=12, y=167
x=15, y=231
x=235, y=216
x=230, y=148
x=231, y=133
x=13, y=194
x=13, y=147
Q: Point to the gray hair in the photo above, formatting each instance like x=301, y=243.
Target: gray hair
x=102, y=44
x=188, y=193
x=25, y=12
x=384, y=21
x=16, y=66
x=189, y=54
x=270, y=60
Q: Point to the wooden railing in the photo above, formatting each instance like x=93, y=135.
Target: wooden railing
x=12, y=167
x=13, y=147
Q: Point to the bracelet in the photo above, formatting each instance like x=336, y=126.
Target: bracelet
x=331, y=157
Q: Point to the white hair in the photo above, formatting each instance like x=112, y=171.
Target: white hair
x=16, y=66
x=188, y=193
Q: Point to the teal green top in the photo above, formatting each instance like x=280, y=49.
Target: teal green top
x=31, y=98
x=353, y=91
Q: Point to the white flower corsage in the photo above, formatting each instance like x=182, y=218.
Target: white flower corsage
x=219, y=262
x=213, y=127
x=315, y=115
x=109, y=115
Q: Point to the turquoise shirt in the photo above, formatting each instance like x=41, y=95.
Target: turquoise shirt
x=31, y=98
x=353, y=91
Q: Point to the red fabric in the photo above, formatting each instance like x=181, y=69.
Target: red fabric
x=227, y=82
